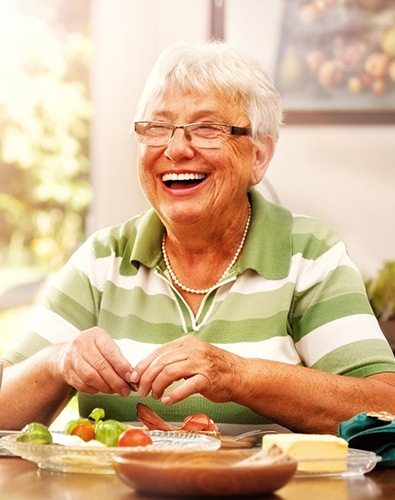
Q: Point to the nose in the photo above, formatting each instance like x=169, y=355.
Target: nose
x=179, y=146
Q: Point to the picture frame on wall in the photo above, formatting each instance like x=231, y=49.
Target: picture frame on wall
x=334, y=60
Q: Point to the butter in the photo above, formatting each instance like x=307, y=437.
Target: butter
x=319, y=453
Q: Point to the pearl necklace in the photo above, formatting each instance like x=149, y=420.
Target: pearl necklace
x=177, y=282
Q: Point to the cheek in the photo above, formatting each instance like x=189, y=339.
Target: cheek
x=145, y=173
x=140, y=167
x=228, y=157
x=239, y=161
x=145, y=161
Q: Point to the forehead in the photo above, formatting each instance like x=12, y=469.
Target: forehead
x=193, y=105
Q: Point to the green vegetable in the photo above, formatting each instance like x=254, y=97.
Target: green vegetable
x=35, y=433
x=108, y=431
x=70, y=426
x=97, y=414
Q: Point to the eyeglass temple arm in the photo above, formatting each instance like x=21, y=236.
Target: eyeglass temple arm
x=239, y=131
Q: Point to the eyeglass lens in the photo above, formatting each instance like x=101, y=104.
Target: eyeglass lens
x=201, y=136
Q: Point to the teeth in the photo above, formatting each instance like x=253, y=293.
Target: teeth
x=182, y=177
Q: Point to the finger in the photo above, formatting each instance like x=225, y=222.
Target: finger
x=106, y=358
x=83, y=378
x=163, y=371
x=92, y=370
x=140, y=368
x=193, y=385
x=170, y=373
x=95, y=371
x=145, y=363
x=85, y=367
x=101, y=374
x=111, y=352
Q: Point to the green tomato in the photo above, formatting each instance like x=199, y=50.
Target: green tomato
x=108, y=432
x=35, y=433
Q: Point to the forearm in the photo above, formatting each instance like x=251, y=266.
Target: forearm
x=307, y=400
x=33, y=391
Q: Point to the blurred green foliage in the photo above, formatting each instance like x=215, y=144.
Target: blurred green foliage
x=45, y=112
x=381, y=292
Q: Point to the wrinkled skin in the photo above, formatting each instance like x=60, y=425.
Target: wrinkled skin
x=205, y=369
x=93, y=363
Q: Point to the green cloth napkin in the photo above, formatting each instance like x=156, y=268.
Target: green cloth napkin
x=371, y=433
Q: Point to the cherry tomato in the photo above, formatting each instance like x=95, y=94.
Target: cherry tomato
x=134, y=437
x=85, y=431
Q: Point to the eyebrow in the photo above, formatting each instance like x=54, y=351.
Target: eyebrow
x=198, y=115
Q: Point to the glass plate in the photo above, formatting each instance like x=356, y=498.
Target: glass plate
x=358, y=462
x=98, y=460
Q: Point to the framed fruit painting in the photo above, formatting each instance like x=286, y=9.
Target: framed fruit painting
x=336, y=61
x=332, y=60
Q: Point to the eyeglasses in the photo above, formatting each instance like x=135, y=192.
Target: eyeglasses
x=200, y=134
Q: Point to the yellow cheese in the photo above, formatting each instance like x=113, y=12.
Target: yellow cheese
x=321, y=453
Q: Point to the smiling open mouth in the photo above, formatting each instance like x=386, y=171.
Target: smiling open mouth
x=182, y=180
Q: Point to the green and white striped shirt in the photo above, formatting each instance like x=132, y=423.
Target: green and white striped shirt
x=294, y=296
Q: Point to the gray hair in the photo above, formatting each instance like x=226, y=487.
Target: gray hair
x=200, y=66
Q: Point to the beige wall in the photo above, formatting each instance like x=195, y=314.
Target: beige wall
x=345, y=175
x=128, y=34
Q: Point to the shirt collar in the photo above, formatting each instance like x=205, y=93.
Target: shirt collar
x=267, y=249
x=147, y=248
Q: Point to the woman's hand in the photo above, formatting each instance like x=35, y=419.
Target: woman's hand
x=206, y=369
x=94, y=363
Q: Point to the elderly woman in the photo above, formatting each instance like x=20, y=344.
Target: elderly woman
x=214, y=301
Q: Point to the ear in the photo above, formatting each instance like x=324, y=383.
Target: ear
x=263, y=156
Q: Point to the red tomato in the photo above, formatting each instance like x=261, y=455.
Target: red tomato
x=85, y=431
x=134, y=437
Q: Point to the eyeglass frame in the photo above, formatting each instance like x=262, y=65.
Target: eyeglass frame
x=232, y=130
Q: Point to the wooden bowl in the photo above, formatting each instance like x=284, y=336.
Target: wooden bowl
x=200, y=473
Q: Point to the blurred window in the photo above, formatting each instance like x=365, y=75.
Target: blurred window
x=45, y=113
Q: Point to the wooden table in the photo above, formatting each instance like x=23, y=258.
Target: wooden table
x=22, y=480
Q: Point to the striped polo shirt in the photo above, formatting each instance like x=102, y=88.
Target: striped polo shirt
x=293, y=296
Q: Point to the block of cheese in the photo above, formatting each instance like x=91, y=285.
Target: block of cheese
x=319, y=453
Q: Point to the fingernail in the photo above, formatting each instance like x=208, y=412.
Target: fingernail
x=166, y=400
x=133, y=387
x=125, y=392
x=142, y=391
x=134, y=376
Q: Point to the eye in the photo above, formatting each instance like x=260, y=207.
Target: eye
x=209, y=130
x=157, y=129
